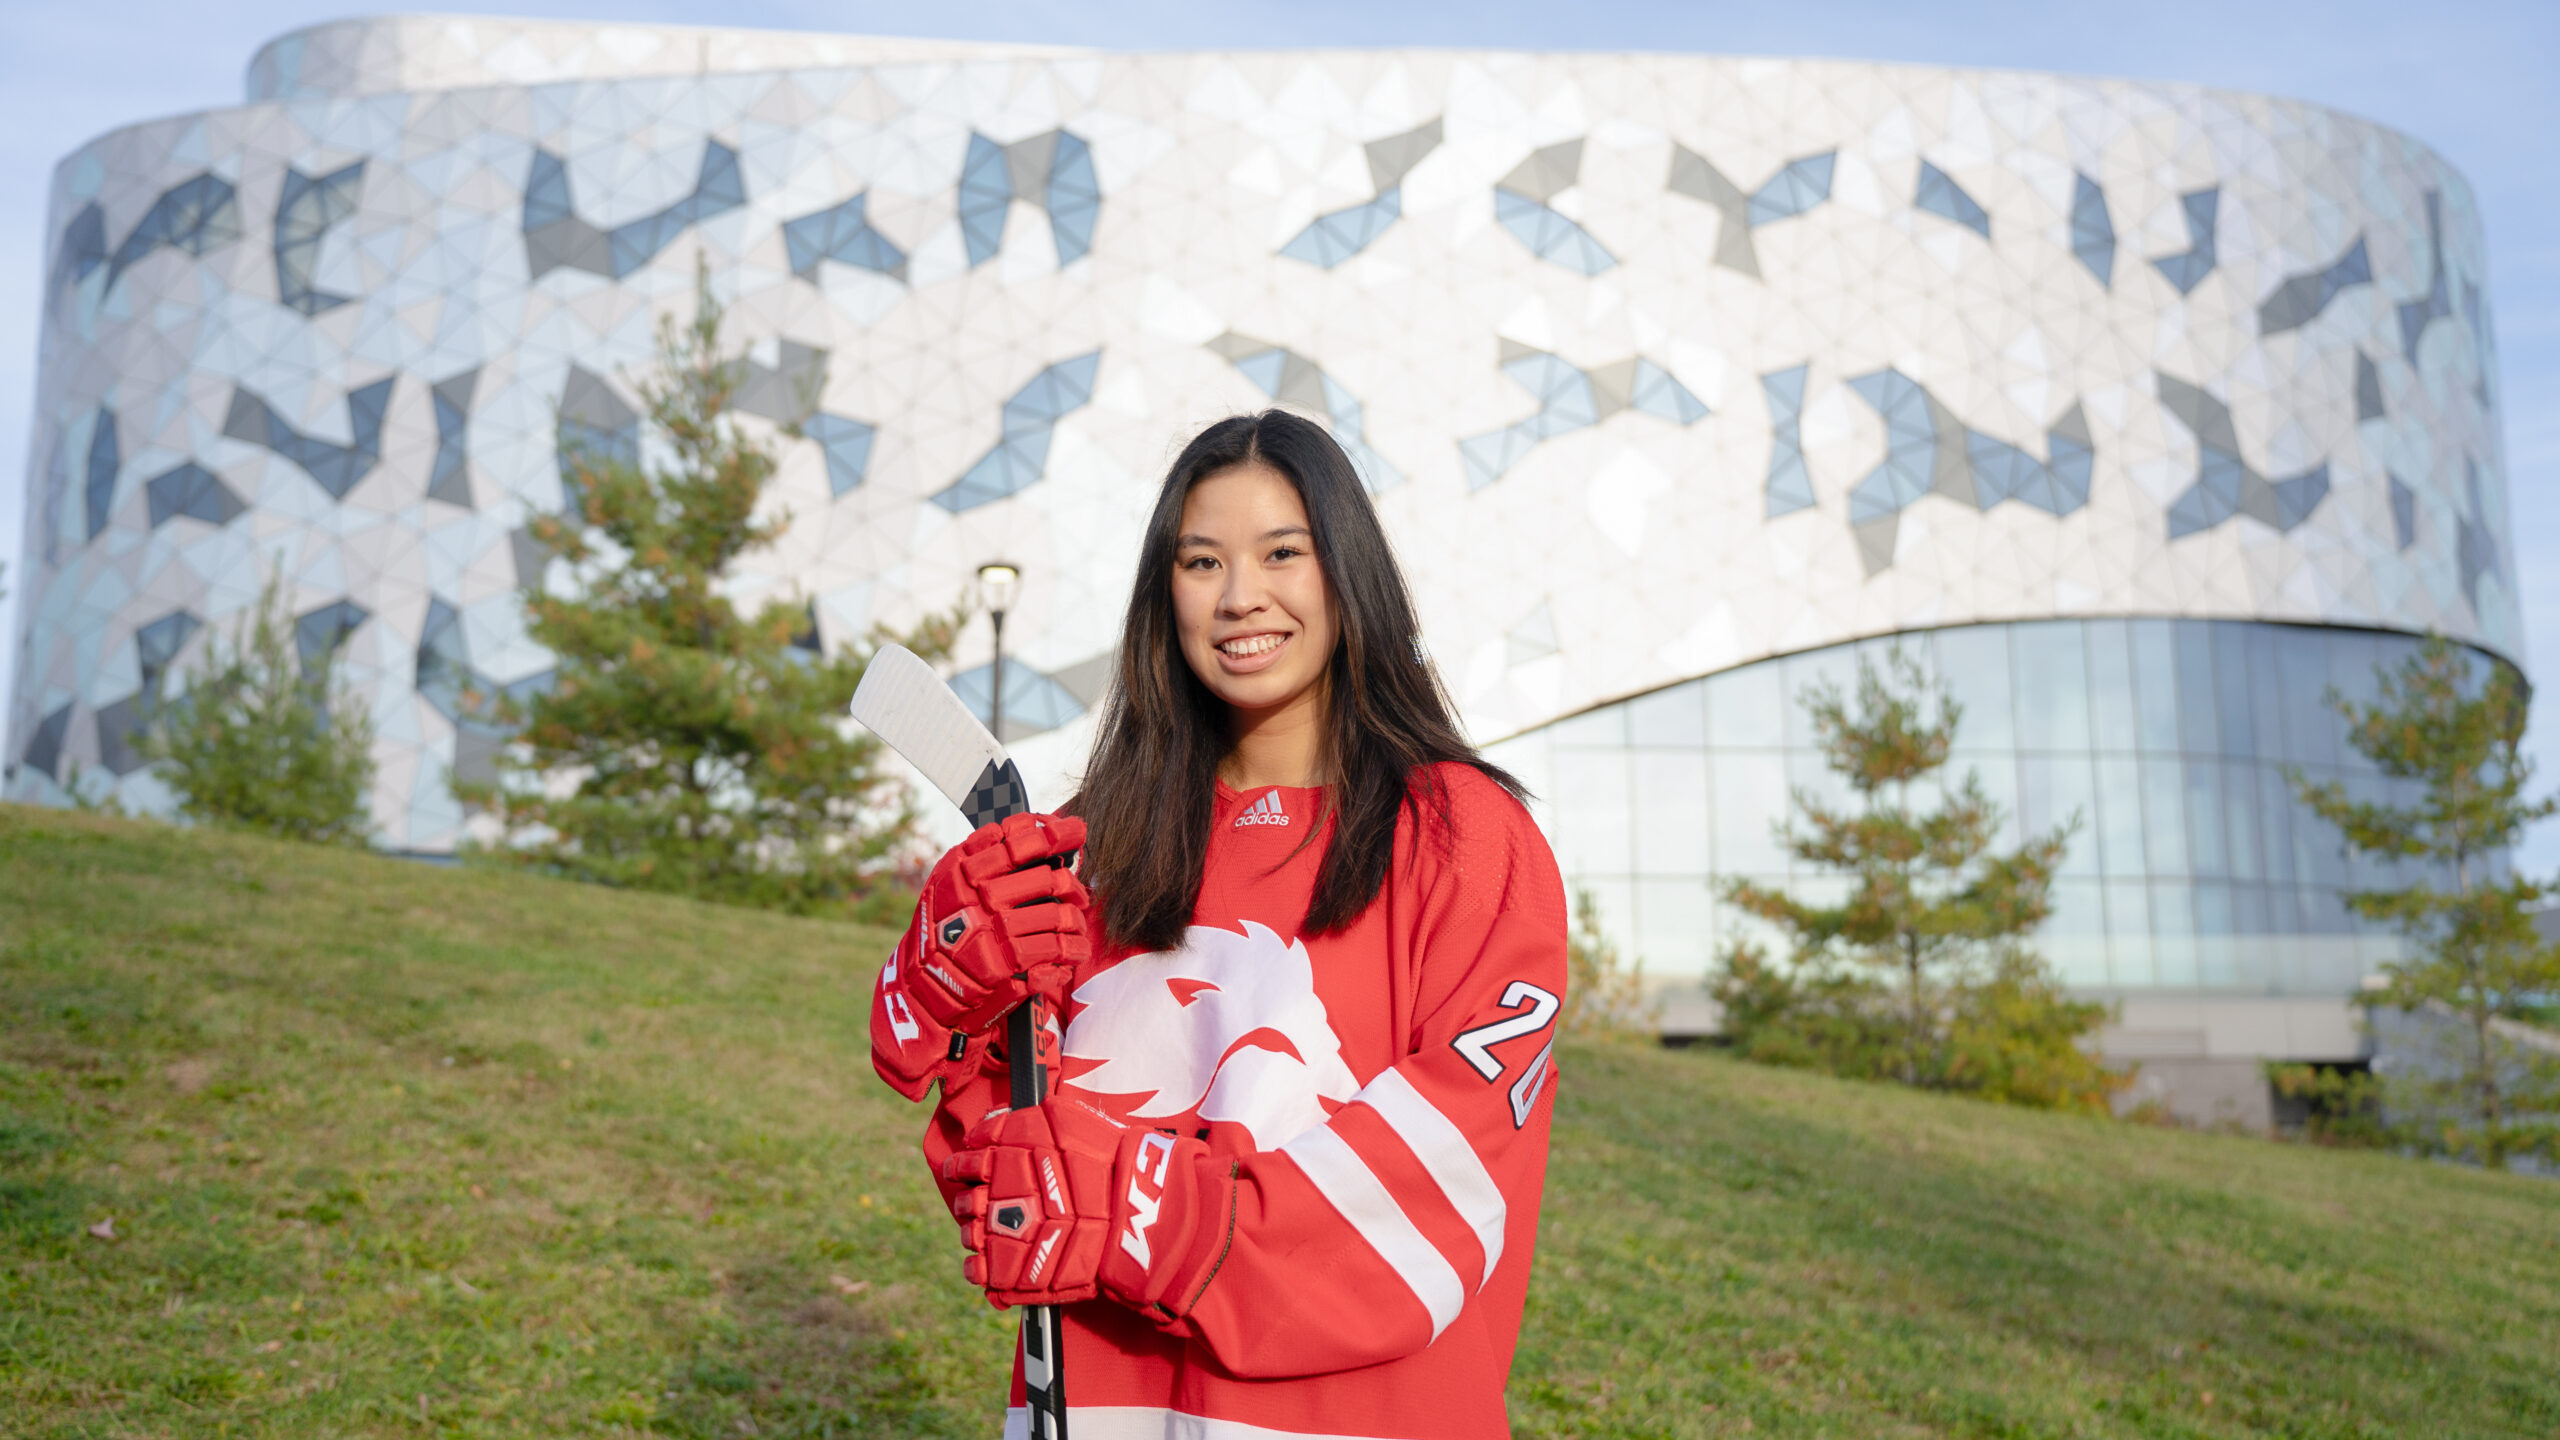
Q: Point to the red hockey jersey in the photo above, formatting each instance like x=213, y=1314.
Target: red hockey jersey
x=1384, y=1093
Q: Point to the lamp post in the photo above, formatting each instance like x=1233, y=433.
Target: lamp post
x=997, y=585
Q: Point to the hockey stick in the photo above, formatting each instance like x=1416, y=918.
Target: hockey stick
x=903, y=702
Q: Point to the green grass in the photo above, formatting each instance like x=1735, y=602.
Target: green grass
x=392, y=1150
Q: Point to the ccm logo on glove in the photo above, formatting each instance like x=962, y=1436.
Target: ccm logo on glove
x=1002, y=918
x=1146, y=1192
x=902, y=1021
x=1046, y=1189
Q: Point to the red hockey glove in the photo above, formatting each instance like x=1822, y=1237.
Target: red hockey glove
x=909, y=1048
x=998, y=922
x=1064, y=1202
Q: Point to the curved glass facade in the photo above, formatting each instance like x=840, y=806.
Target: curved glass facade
x=2193, y=867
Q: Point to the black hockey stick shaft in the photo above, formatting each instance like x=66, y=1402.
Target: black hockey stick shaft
x=908, y=706
x=1028, y=1037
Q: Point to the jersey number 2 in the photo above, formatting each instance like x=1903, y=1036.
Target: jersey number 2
x=1477, y=1044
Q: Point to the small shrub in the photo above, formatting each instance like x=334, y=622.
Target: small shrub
x=1817, y=1016
x=2338, y=1106
x=2014, y=1035
x=1603, y=995
x=88, y=799
x=2009, y=1033
x=263, y=739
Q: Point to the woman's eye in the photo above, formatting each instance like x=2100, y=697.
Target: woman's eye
x=1287, y=552
x=1197, y=562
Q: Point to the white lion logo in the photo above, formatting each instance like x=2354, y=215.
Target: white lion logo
x=1229, y=1023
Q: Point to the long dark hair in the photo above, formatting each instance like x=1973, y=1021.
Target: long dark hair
x=1149, y=793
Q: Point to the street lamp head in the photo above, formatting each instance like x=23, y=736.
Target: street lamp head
x=997, y=585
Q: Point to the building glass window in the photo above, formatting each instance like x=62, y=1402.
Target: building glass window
x=2192, y=867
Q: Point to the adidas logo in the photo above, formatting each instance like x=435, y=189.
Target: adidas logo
x=1265, y=811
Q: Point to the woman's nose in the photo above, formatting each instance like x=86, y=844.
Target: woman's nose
x=1243, y=595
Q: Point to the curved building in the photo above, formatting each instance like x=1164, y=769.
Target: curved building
x=2148, y=412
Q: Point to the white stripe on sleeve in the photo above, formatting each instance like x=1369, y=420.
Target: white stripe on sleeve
x=1345, y=1180
x=1443, y=1150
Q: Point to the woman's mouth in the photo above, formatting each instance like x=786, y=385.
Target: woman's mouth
x=1247, y=653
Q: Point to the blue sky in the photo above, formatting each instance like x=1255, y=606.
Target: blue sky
x=2480, y=81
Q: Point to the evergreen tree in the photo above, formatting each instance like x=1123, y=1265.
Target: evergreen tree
x=263, y=739
x=1921, y=973
x=2474, y=950
x=686, y=745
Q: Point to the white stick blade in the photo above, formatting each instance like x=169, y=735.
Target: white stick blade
x=903, y=702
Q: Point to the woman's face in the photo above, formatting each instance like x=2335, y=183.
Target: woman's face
x=1255, y=614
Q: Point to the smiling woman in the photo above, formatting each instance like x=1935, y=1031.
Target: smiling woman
x=1288, y=1175
x=1256, y=618
x=1267, y=539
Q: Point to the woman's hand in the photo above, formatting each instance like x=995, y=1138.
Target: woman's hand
x=1060, y=1202
x=1001, y=918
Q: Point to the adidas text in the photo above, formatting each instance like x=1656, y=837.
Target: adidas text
x=1265, y=811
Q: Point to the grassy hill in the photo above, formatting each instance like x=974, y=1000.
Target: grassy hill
x=395, y=1150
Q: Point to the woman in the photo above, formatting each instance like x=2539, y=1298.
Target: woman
x=1287, y=1180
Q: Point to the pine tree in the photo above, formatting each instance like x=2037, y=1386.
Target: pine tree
x=1921, y=972
x=264, y=739
x=686, y=745
x=2473, y=947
